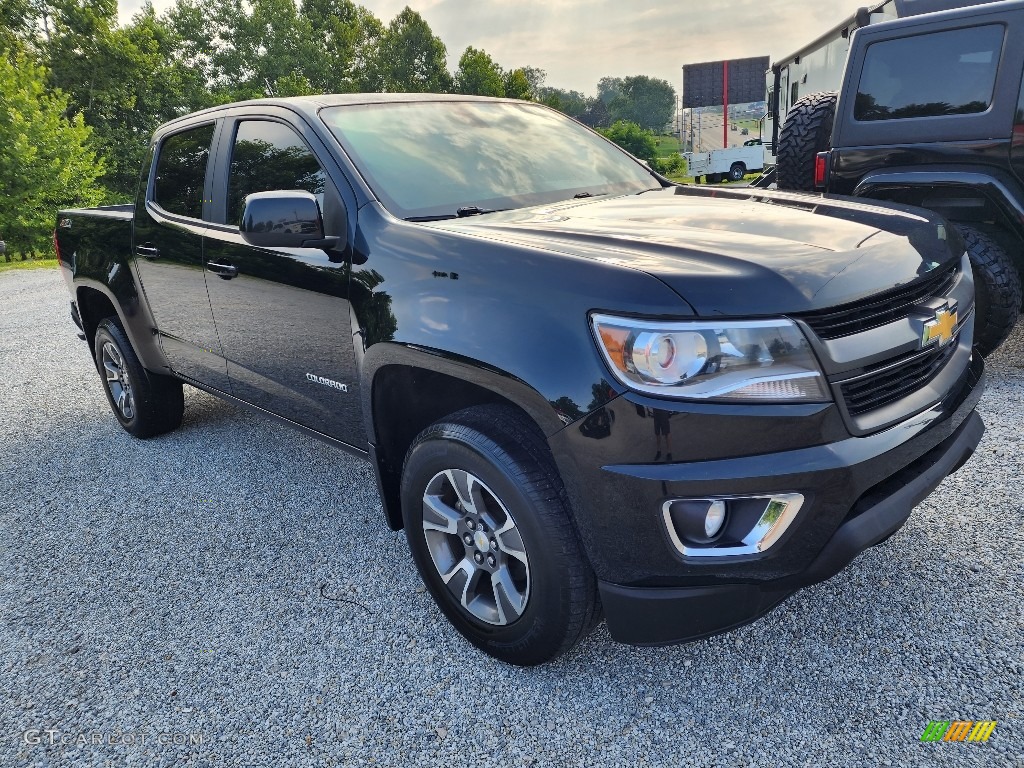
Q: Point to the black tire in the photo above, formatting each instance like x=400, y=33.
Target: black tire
x=737, y=172
x=997, y=289
x=806, y=132
x=713, y=178
x=556, y=592
x=155, y=403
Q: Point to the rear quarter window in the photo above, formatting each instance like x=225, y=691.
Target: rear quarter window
x=952, y=72
x=181, y=172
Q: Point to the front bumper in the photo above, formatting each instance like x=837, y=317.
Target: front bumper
x=859, y=491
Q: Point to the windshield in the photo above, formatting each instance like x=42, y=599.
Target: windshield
x=429, y=159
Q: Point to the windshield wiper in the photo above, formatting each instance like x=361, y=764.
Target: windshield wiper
x=473, y=210
x=440, y=217
x=581, y=195
x=466, y=210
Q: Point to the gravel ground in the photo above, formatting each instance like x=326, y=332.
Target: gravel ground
x=232, y=585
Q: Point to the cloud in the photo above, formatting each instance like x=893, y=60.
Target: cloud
x=579, y=41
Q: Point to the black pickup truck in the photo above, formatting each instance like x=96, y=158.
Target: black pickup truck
x=585, y=391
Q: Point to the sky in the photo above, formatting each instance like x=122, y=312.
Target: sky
x=577, y=42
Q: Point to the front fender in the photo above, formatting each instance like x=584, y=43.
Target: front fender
x=502, y=383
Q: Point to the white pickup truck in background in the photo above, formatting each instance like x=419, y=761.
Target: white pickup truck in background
x=732, y=163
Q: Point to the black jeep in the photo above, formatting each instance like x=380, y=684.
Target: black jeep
x=930, y=113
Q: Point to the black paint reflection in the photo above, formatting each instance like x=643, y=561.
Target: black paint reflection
x=269, y=156
x=181, y=172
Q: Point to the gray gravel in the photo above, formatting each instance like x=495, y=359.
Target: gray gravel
x=233, y=583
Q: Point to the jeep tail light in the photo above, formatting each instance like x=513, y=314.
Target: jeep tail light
x=820, y=170
x=56, y=247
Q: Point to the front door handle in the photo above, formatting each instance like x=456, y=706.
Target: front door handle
x=149, y=251
x=223, y=271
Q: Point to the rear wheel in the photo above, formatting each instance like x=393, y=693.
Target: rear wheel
x=997, y=289
x=145, y=404
x=737, y=172
x=806, y=132
x=489, y=528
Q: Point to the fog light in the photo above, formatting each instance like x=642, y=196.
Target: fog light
x=729, y=526
x=697, y=521
x=714, y=519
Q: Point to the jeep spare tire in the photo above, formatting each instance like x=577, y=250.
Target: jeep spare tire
x=806, y=132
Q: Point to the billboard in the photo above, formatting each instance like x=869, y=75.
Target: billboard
x=704, y=84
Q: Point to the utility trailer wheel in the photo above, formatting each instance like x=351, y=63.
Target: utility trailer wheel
x=145, y=404
x=806, y=132
x=997, y=289
x=489, y=526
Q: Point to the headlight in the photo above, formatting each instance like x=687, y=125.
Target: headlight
x=735, y=360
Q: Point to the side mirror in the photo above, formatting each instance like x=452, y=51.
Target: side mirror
x=284, y=219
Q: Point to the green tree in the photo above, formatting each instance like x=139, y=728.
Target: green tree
x=410, y=58
x=572, y=103
x=517, y=85
x=124, y=80
x=243, y=48
x=46, y=162
x=479, y=75
x=16, y=19
x=345, y=37
x=632, y=138
x=646, y=101
x=609, y=89
x=536, y=77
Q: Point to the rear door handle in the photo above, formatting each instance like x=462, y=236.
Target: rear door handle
x=149, y=251
x=223, y=271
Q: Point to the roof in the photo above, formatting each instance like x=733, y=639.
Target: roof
x=310, y=105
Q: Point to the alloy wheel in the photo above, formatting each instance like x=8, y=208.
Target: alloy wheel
x=117, y=380
x=476, y=547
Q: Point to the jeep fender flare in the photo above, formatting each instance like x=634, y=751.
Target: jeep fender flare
x=999, y=189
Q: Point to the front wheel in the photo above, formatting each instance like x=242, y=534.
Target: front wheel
x=489, y=528
x=145, y=404
x=997, y=289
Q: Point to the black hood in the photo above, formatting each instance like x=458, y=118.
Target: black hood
x=739, y=251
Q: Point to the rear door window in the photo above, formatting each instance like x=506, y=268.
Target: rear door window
x=181, y=172
x=941, y=73
x=270, y=156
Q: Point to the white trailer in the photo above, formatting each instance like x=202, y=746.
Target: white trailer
x=815, y=67
x=732, y=163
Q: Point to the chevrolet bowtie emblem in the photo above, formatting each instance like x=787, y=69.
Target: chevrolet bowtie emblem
x=940, y=330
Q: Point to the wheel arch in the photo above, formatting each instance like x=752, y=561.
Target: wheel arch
x=407, y=389
x=96, y=300
x=94, y=304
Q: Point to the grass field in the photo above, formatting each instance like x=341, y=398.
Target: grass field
x=667, y=145
x=6, y=266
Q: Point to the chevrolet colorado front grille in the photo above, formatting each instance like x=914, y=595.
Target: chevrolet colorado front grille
x=895, y=381
x=880, y=309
